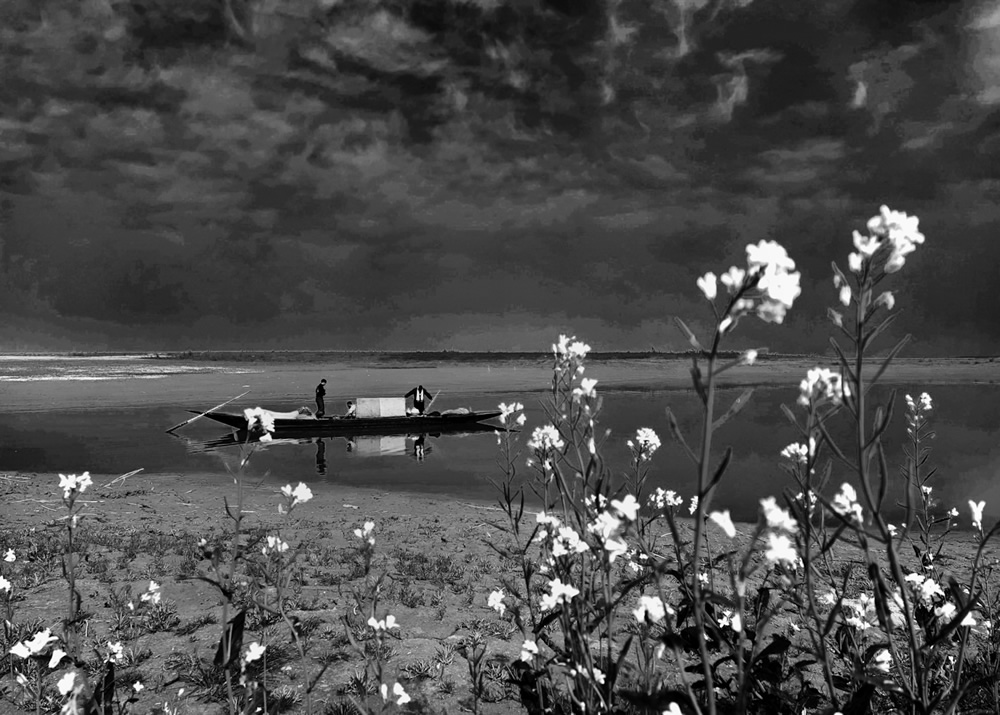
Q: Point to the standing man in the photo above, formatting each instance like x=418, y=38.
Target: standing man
x=419, y=395
x=320, y=394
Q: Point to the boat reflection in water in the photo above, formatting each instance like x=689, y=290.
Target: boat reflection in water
x=416, y=446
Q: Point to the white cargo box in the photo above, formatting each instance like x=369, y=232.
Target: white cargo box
x=381, y=406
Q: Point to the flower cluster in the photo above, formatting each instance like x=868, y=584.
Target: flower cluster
x=545, y=439
x=652, y=608
x=569, y=354
x=37, y=647
x=769, y=285
x=511, y=409
x=645, y=444
x=293, y=497
x=798, y=452
x=152, y=594
x=365, y=533
x=585, y=390
x=274, y=545
x=661, y=499
x=73, y=484
x=895, y=231
x=397, y=691
x=559, y=593
x=846, y=503
x=822, y=385
x=386, y=624
x=495, y=601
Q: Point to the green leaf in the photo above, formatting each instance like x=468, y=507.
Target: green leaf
x=734, y=409
x=231, y=642
x=691, y=337
x=888, y=359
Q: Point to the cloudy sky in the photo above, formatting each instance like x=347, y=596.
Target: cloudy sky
x=440, y=174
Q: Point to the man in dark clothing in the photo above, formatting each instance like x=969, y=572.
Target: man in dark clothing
x=320, y=394
x=419, y=395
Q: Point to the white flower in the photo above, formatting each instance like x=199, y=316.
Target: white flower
x=777, y=518
x=627, y=508
x=546, y=438
x=152, y=593
x=846, y=503
x=662, y=499
x=796, y=452
x=255, y=651
x=57, y=655
x=366, y=532
x=693, y=507
x=35, y=645
x=887, y=299
x=902, y=232
x=559, y=592
x=299, y=495
x=946, y=612
x=9, y=556
x=274, y=544
x=673, y=709
x=866, y=246
x=138, y=687
x=615, y=548
x=749, y=357
x=567, y=541
x=651, y=607
x=401, y=697
x=854, y=261
x=605, y=524
x=585, y=390
x=724, y=521
x=769, y=254
x=731, y=619
x=387, y=624
x=733, y=279
x=495, y=601
x=508, y=410
x=780, y=549
x=115, y=652
x=529, y=649
x=4, y=585
x=648, y=442
x=66, y=683
x=820, y=385
x=845, y=294
x=567, y=350
x=74, y=483
x=708, y=286
x=977, y=514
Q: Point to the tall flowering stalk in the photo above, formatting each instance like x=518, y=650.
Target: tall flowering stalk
x=73, y=486
x=767, y=288
x=279, y=569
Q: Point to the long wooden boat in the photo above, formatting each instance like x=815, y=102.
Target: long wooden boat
x=433, y=422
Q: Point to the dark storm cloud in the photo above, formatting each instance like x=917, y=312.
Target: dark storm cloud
x=484, y=174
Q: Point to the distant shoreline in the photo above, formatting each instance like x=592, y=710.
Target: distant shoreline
x=389, y=356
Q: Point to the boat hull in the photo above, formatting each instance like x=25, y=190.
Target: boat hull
x=414, y=424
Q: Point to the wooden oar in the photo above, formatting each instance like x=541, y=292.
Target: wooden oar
x=187, y=422
x=432, y=400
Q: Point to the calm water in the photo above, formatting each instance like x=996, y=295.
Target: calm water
x=108, y=416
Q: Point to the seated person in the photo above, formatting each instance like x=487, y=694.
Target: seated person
x=352, y=410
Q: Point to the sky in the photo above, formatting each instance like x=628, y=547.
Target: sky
x=484, y=175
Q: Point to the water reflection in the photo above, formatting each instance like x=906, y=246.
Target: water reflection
x=416, y=446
